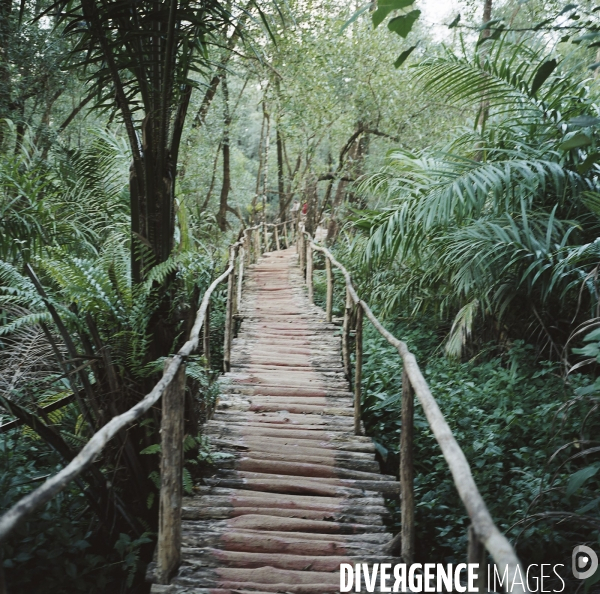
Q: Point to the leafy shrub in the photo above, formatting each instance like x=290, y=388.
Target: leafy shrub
x=509, y=414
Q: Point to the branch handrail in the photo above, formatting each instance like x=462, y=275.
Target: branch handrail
x=58, y=482
x=483, y=530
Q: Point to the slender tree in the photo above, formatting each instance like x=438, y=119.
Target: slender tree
x=144, y=55
x=226, y=186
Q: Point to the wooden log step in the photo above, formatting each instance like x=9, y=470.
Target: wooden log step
x=292, y=543
x=260, y=399
x=304, y=409
x=223, y=513
x=368, y=466
x=295, y=408
x=280, y=523
x=277, y=447
x=283, y=400
x=229, y=587
x=280, y=483
x=283, y=418
x=254, y=464
x=323, y=343
x=252, y=588
x=304, y=433
x=215, y=557
x=241, y=497
x=254, y=422
x=266, y=576
x=298, y=486
x=388, y=487
x=284, y=390
x=317, y=364
x=324, y=370
x=263, y=349
x=224, y=532
x=343, y=443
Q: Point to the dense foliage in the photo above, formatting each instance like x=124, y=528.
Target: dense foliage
x=454, y=164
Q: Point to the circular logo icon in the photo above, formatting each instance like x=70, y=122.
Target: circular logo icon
x=585, y=562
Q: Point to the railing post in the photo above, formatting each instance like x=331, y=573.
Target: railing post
x=206, y=336
x=301, y=251
x=309, y=271
x=277, y=238
x=171, y=483
x=240, y=279
x=247, y=240
x=407, y=494
x=265, y=230
x=346, y=334
x=358, y=373
x=329, y=307
x=229, y=318
x=285, y=235
x=477, y=554
x=257, y=253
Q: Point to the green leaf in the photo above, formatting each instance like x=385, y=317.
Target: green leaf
x=381, y=449
x=584, y=121
x=576, y=141
x=593, y=335
x=489, y=24
x=542, y=24
x=567, y=8
x=403, y=56
x=153, y=449
x=594, y=66
x=404, y=23
x=584, y=167
x=187, y=481
x=589, y=506
x=542, y=74
x=589, y=36
x=454, y=22
x=355, y=16
x=592, y=201
x=384, y=7
x=495, y=35
x=578, y=478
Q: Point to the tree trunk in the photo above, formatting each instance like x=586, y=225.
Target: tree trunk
x=5, y=87
x=485, y=104
x=266, y=162
x=283, y=201
x=487, y=16
x=312, y=202
x=259, y=171
x=222, y=214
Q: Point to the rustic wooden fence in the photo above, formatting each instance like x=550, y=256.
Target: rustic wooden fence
x=251, y=244
x=482, y=533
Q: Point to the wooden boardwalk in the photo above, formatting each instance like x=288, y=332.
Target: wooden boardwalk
x=299, y=493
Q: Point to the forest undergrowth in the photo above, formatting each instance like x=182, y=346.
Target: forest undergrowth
x=521, y=422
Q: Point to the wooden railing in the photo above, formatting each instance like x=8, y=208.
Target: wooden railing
x=171, y=387
x=482, y=533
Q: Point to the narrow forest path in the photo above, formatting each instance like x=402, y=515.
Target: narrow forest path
x=299, y=493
